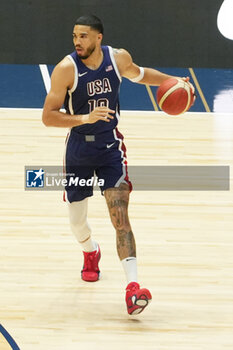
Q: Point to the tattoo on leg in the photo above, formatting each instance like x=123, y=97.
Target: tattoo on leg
x=119, y=213
x=125, y=244
x=118, y=203
x=117, y=200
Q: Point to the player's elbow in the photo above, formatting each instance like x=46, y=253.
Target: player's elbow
x=46, y=120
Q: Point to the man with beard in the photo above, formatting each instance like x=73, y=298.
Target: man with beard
x=87, y=81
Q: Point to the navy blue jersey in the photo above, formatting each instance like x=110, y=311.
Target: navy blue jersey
x=94, y=88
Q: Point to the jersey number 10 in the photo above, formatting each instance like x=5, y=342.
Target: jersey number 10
x=102, y=102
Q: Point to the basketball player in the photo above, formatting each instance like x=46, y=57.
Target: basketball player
x=87, y=82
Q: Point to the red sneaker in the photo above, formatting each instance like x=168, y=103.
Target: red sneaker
x=90, y=271
x=136, y=298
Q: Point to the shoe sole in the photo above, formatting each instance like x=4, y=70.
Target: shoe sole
x=99, y=276
x=142, y=304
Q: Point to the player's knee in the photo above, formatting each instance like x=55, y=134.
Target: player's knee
x=78, y=212
x=120, y=218
x=78, y=220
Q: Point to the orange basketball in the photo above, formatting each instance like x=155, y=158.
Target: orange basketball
x=175, y=96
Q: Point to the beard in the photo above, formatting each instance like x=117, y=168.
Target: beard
x=88, y=53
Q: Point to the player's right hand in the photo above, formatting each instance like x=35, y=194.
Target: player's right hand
x=99, y=113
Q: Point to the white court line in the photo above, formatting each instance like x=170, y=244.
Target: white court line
x=45, y=76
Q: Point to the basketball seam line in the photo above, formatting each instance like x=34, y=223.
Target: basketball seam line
x=179, y=84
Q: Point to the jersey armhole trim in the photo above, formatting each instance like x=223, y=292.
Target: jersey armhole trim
x=114, y=63
x=75, y=74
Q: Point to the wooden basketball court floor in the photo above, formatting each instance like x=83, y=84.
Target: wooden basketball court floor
x=184, y=244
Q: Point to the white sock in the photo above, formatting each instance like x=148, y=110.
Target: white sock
x=130, y=267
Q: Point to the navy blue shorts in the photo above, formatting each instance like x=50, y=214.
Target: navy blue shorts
x=90, y=156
